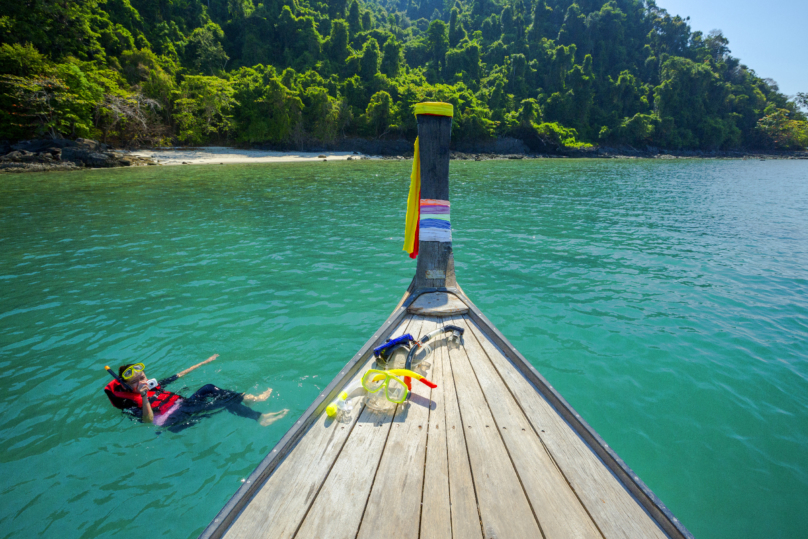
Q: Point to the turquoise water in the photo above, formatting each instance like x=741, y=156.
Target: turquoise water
x=667, y=301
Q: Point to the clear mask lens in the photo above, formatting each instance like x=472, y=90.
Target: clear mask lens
x=373, y=381
x=132, y=371
x=396, y=390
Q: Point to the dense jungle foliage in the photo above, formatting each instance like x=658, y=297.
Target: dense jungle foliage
x=561, y=72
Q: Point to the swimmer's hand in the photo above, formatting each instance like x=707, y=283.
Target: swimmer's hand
x=148, y=414
x=143, y=387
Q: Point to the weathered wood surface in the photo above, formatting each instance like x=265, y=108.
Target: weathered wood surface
x=394, y=505
x=482, y=455
x=558, y=510
x=466, y=519
x=612, y=507
x=338, y=508
x=504, y=507
x=435, y=263
x=279, y=507
x=437, y=304
x=436, y=511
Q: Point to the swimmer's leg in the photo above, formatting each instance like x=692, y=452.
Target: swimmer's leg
x=267, y=419
x=258, y=398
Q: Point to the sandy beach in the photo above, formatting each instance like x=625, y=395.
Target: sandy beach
x=214, y=155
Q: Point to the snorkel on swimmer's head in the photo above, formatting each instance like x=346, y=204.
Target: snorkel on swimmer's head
x=129, y=375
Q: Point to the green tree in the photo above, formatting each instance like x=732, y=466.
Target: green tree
x=456, y=31
x=264, y=110
x=392, y=59
x=379, y=113
x=204, y=49
x=40, y=106
x=612, y=70
x=204, y=109
x=320, y=114
x=338, y=42
x=437, y=43
x=367, y=21
x=354, y=20
x=369, y=63
x=336, y=9
x=783, y=132
x=21, y=60
x=802, y=100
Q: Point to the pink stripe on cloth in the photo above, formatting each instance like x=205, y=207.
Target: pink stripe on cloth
x=161, y=419
x=434, y=202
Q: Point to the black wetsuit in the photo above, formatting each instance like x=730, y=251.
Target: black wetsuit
x=207, y=400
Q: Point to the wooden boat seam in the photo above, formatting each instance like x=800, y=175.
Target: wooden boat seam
x=426, y=452
x=541, y=441
x=504, y=444
x=376, y=472
x=286, y=444
x=644, y=495
x=336, y=458
x=466, y=444
x=442, y=417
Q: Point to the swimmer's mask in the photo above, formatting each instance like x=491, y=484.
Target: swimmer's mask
x=132, y=371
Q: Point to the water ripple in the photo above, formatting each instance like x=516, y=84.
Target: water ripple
x=667, y=301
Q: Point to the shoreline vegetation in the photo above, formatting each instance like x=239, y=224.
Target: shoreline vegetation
x=560, y=76
x=65, y=155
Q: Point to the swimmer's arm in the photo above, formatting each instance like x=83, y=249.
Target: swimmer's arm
x=148, y=414
x=189, y=369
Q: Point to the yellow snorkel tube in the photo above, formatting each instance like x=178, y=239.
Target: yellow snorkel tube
x=373, y=375
x=341, y=403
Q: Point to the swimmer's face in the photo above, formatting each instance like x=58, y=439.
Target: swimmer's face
x=139, y=377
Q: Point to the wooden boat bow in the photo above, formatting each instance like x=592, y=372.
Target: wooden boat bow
x=493, y=451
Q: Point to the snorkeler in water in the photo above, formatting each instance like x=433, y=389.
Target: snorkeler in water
x=132, y=391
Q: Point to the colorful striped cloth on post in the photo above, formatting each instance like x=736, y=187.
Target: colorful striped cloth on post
x=412, y=226
x=434, y=223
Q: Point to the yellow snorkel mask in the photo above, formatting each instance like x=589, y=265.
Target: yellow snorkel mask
x=374, y=380
x=132, y=371
x=396, y=390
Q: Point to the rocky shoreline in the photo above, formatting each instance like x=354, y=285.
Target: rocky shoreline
x=612, y=153
x=63, y=154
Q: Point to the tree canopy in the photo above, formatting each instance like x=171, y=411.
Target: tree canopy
x=569, y=73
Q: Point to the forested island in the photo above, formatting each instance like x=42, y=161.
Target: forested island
x=298, y=73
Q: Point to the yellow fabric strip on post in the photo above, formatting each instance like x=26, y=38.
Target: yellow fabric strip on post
x=413, y=204
x=438, y=109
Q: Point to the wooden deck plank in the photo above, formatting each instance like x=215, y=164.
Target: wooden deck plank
x=332, y=501
x=394, y=504
x=556, y=506
x=614, y=510
x=436, y=511
x=504, y=507
x=278, y=508
x=466, y=520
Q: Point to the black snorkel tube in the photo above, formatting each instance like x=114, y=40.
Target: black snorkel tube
x=119, y=379
x=456, y=334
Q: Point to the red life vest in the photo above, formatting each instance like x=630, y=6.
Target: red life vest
x=159, y=400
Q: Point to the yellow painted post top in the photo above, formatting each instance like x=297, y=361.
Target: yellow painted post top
x=435, y=108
